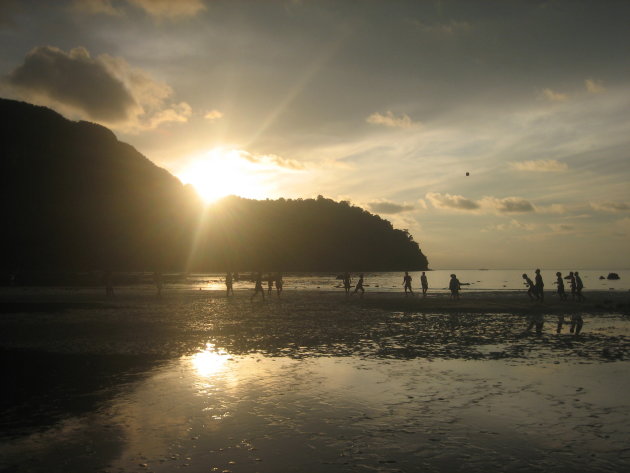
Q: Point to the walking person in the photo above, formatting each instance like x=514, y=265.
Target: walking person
x=347, y=282
x=530, y=287
x=560, y=283
x=229, y=283
x=425, y=284
x=539, y=285
x=359, y=286
x=454, y=285
x=279, y=283
x=270, y=280
x=571, y=278
x=407, y=283
x=258, y=287
x=579, y=285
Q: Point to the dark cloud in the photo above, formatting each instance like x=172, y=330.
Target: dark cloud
x=385, y=207
x=513, y=205
x=449, y=201
x=73, y=79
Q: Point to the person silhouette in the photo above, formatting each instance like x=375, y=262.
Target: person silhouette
x=347, y=282
x=560, y=283
x=158, y=280
x=229, y=281
x=279, y=283
x=530, y=287
x=539, y=285
x=454, y=285
x=359, y=286
x=571, y=278
x=579, y=285
x=407, y=283
x=258, y=287
x=270, y=280
x=109, y=283
x=425, y=284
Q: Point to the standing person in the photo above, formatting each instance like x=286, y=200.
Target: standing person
x=270, y=280
x=109, y=283
x=407, y=283
x=454, y=286
x=228, y=283
x=279, y=283
x=578, y=287
x=347, y=282
x=359, y=286
x=571, y=278
x=560, y=283
x=258, y=287
x=539, y=285
x=530, y=287
x=425, y=284
x=158, y=280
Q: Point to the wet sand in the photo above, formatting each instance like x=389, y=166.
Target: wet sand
x=311, y=382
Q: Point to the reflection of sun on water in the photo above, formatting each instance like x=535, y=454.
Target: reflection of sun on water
x=209, y=361
x=219, y=173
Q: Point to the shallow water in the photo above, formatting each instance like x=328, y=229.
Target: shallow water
x=212, y=411
x=194, y=381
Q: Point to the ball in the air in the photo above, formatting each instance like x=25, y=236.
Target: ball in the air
x=468, y=174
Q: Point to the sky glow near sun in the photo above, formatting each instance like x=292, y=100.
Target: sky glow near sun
x=383, y=104
x=219, y=173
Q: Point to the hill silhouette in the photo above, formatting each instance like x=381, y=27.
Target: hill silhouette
x=74, y=198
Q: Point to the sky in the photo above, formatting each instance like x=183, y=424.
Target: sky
x=496, y=132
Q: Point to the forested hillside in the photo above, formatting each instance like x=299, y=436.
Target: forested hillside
x=74, y=198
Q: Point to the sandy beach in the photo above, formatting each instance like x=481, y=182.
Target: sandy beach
x=313, y=381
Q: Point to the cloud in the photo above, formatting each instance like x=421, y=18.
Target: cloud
x=561, y=227
x=508, y=204
x=390, y=120
x=159, y=9
x=213, y=115
x=594, y=86
x=611, y=206
x=553, y=96
x=104, y=89
x=271, y=160
x=448, y=28
x=513, y=225
x=486, y=204
x=448, y=201
x=541, y=165
x=386, y=207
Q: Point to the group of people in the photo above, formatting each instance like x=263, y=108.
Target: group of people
x=272, y=278
x=535, y=288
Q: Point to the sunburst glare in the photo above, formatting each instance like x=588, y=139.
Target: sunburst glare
x=219, y=173
x=209, y=361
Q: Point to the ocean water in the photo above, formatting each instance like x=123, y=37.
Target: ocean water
x=471, y=279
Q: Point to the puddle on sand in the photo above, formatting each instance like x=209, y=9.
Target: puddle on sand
x=213, y=411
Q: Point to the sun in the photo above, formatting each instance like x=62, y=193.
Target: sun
x=219, y=173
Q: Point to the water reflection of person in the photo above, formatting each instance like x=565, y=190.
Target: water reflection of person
x=576, y=323
x=537, y=320
x=229, y=282
x=258, y=287
x=347, y=282
x=425, y=284
x=454, y=285
x=359, y=286
x=279, y=283
x=407, y=283
x=539, y=285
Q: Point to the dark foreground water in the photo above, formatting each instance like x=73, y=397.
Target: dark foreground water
x=307, y=384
